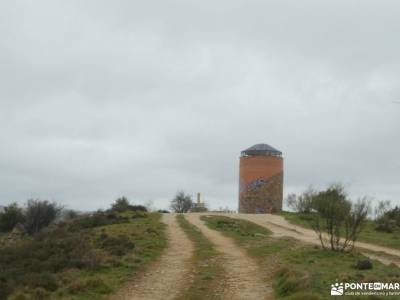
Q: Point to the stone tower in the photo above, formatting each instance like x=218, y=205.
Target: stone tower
x=260, y=180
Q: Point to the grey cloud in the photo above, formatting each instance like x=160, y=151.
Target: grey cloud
x=100, y=99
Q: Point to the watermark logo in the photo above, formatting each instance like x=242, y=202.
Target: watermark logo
x=365, y=289
x=337, y=289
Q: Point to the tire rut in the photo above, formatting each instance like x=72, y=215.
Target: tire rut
x=167, y=277
x=244, y=279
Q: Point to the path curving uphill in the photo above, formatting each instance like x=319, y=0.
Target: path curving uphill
x=281, y=227
x=166, y=278
x=243, y=275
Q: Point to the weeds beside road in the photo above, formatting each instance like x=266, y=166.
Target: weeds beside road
x=300, y=271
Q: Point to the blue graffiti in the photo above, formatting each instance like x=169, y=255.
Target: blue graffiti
x=252, y=186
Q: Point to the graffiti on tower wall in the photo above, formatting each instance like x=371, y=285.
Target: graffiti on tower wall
x=261, y=195
x=253, y=185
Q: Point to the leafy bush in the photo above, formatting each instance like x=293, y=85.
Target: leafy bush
x=99, y=218
x=386, y=224
x=120, y=205
x=137, y=208
x=40, y=214
x=389, y=221
x=11, y=216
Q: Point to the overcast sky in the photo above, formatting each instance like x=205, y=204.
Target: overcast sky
x=141, y=98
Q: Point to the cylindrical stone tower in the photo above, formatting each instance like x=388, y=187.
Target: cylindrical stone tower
x=260, y=180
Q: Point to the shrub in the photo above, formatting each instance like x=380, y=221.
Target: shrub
x=394, y=214
x=40, y=214
x=118, y=246
x=70, y=214
x=120, y=205
x=389, y=221
x=364, y=264
x=99, y=218
x=11, y=216
x=141, y=208
x=138, y=215
x=385, y=224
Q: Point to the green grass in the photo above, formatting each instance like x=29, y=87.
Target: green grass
x=368, y=234
x=148, y=236
x=118, y=251
x=206, y=268
x=300, y=271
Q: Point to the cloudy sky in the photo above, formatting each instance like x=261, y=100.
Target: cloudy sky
x=141, y=98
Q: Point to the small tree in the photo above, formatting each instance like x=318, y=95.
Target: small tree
x=382, y=208
x=182, y=202
x=302, y=203
x=389, y=220
x=11, y=216
x=337, y=221
x=70, y=214
x=121, y=204
x=40, y=214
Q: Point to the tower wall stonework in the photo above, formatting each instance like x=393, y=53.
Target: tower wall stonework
x=261, y=184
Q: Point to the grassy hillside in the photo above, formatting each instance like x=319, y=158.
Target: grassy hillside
x=207, y=271
x=368, y=234
x=300, y=271
x=85, y=258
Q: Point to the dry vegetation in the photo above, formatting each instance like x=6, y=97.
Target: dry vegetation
x=83, y=258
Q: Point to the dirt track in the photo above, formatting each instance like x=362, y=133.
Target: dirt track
x=280, y=227
x=166, y=278
x=243, y=276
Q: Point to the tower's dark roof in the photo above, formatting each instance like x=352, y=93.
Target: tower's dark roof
x=261, y=149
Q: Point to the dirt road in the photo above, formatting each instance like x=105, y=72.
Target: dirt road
x=244, y=279
x=280, y=227
x=166, y=278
